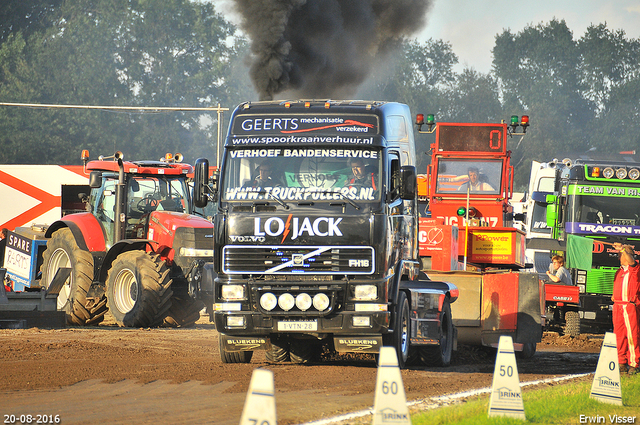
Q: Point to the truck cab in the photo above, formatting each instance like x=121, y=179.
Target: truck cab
x=316, y=234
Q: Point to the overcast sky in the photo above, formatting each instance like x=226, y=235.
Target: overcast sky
x=471, y=25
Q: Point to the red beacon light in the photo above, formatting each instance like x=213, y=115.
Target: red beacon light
x=524, y=123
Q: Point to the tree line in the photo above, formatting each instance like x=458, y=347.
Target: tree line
x=582, y=94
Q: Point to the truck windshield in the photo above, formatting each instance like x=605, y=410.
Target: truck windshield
x=479, y=176
x=618, y=212
x=302, y=174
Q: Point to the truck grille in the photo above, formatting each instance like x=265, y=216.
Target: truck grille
x=260, y=259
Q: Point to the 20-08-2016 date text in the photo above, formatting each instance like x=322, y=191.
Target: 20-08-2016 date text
x=32, y=419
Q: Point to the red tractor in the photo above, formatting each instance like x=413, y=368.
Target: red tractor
x=137, y=252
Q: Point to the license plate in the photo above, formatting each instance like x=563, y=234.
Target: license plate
x=299, y=325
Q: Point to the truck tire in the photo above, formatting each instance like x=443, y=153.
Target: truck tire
x=63, y=251
x=400, y=337
x=571, y=323
x=279, y=351
x=528, y=350
x=303, y=351
x=138, y=289
x=184, y=312
x=440, y=355
x=233, y=356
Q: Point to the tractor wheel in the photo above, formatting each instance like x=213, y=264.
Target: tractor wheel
x=279, y=351
x=303, y=351
x=138, y=289
x=184, y=311
x=571, y=323
x=440, y=355
x=233, y=356
x=400, y=337
x=63, y=251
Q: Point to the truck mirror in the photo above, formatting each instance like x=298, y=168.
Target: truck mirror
x=408, y=182
x=200, y=180
x=552, y=215
x=95, y=179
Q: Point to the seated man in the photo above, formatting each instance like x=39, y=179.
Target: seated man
x=475, y=183
x=361, y=177
x=264, y=177
x=557, y=272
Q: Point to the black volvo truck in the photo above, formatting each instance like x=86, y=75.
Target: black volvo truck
x=316, y=236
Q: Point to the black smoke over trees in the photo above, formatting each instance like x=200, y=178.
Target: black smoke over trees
x=323, y=48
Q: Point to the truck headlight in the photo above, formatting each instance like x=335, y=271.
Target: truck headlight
x=195, y=252
x=232, y=292
x=303, y=301
x=286, y=301
x=365, y=292
x=268, y=301
x=320, y=302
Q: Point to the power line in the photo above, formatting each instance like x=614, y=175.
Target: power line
x=122, y=108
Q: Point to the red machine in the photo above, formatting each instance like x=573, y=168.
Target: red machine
x=466, y=236
x=138, y=244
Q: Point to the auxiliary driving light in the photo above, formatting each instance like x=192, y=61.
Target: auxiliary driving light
x=608, y=172
x=621, y=173
x=268, y=301
x=634, y=173
x=286, y=301
x=303, y=301
x=320, y=302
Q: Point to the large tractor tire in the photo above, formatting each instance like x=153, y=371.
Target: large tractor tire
x=440, y=355
x=63, y=251
x=233, y=356
x=303, y=351
x=400, y=337
x=184, y=311
x=138, y=289
x=279, y=351
x=571, y=323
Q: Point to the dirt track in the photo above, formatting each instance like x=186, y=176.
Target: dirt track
x=175, y=376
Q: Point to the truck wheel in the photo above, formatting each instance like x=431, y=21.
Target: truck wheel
x=440, y=355
x=571, y=323
x=138, y=289
x=401, y=323
x=233, y=356
x=184, y=311
x=63, y=251
x=528, y=350
x=303, y=351
x=279, y=351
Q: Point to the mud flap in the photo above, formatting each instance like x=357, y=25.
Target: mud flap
x=357, y=344
x=244, y=343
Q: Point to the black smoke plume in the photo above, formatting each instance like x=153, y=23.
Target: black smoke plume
x=323, y=48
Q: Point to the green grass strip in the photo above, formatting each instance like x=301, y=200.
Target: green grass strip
x=560, y=404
